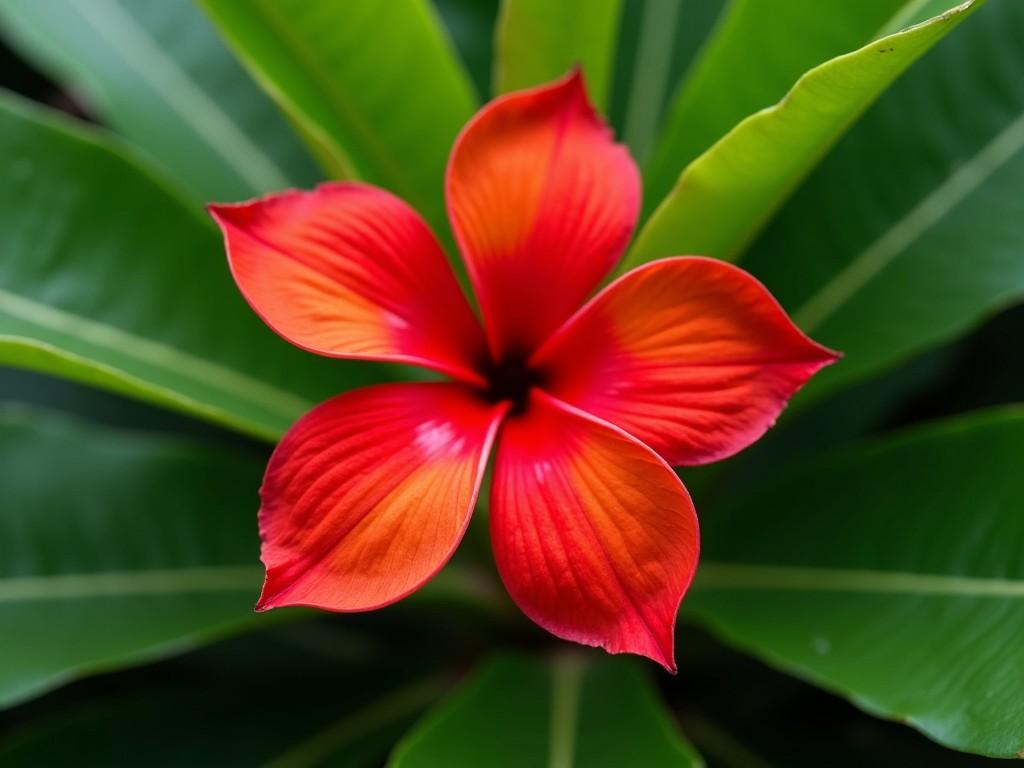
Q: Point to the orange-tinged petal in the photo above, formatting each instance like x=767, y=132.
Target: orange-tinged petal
x=692, y=356
x=369, y=494
x=594, y=535
x=542, y=202
x=349, y=270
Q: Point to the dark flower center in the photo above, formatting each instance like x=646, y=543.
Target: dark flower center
x=511, y=380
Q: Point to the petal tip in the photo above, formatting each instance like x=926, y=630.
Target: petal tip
x=575, y=78
x=268, y=597
x=661, y=652
x=225, y=214
x=214, y=210
x=823, y=356
x=263, y=604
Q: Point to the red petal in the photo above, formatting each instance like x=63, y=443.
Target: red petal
x=349, y=270
x=690, y=355
x=368, y=495
x=542, y=202
x=594, y=536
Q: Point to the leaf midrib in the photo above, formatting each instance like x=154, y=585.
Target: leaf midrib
x=899, y=237
x=163, y=357
x=566, y=684
x=166, y=581
x=747, y=576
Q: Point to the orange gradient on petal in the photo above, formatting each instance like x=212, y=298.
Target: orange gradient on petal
x=542, y=203
x=692, y=356
x=594, y=536
x=369, y=494
x=349, y=270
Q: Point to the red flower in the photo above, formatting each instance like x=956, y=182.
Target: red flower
x=682, y=361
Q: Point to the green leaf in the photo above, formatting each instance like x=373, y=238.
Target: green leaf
x=470, y=24
x=756, y=53
x=658, y=42
x=158, y=73
x=726, y=195
x=109, y=278
x=116, y=548
x=892, y=573
x=538, y=41
x=375, y=87
x=520, y=711
x=913, y=228
x=219, y=707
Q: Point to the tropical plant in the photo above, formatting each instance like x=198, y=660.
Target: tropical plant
x=864, y=160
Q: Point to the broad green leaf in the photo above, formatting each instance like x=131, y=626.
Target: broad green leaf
x=650, y=75
x=109, y=278
x=470, y=24
x=756, y=53
x=740, y=713
x=222, y=707
x=658, y=42
x=892, y=573
x=157, y=72
x=537, y=41
x=520, y=711
x=726, y=195
x=374, y=86
x=116, y=548
x=912, y=230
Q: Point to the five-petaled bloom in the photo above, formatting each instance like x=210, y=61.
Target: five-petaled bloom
x=685, y=360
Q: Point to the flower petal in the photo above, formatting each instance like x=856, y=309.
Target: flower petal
x=368, y=495
x=594, y=535
x=542, y=203
x=692, y=356
x=349, y=270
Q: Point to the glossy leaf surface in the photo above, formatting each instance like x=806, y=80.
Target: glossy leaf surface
x=892, y=573
x=109, y=278
x=755, y=53
x=925, y=239
x=538, y=41
x=524, y=711
x=725, y=196
x=375, y=88
x=116, y=548
x=158, y=73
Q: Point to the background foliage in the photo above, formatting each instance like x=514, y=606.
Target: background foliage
x=864, y=159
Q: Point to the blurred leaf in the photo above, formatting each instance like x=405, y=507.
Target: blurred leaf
x=658, y=41
x=726, y=195
x=912, y=230
x=158, y=73
x=755, y=54
x=223, y=706
x=470, y=24
x=521, y=711
x=892, y=573
x=374, y=86
x=116, y=548
x=651, y=72
x=110, y=279
x=538, y=41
